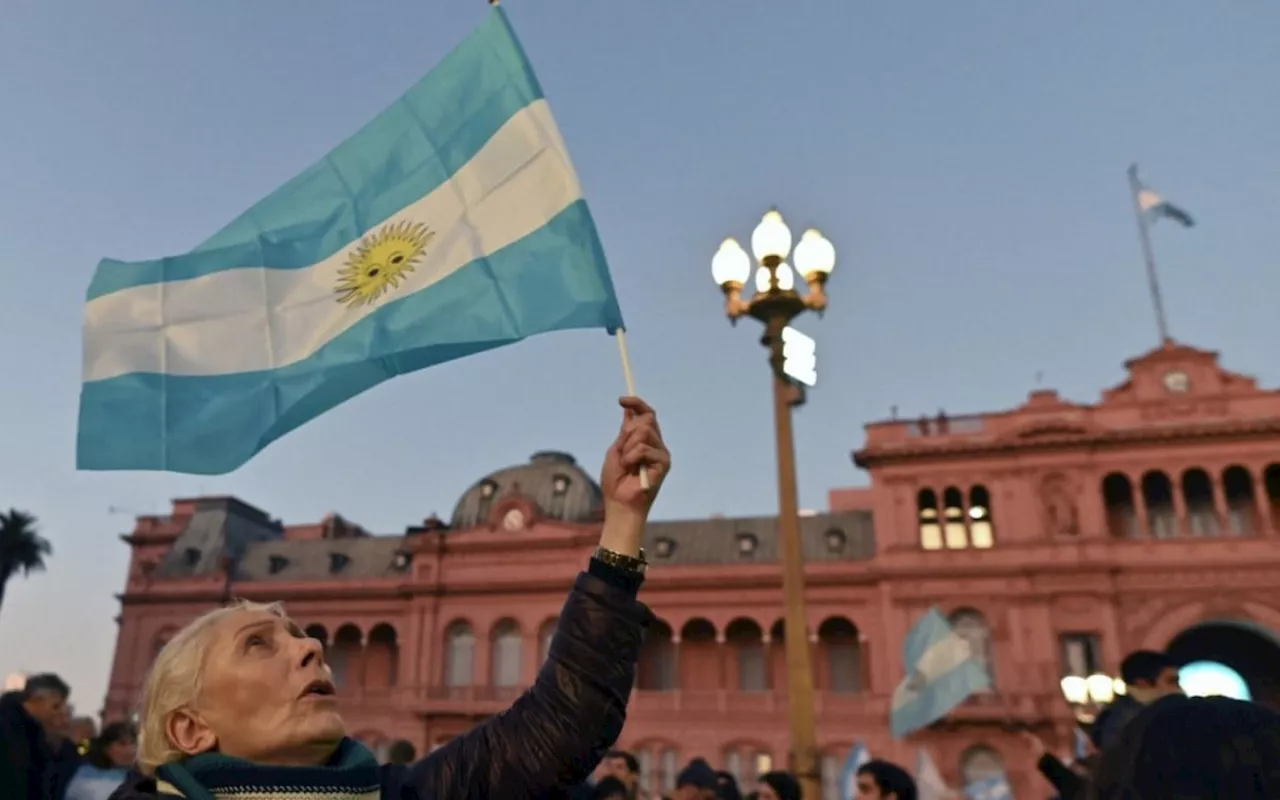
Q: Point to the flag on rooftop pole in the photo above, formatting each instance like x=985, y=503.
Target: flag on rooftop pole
x=941, y=674
x=1156, y=207
x=1148, y=207
x=450, y=224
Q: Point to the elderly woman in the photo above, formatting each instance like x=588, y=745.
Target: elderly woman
x=240, y=703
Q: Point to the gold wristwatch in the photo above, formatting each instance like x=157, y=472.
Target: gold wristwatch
x=637, y=565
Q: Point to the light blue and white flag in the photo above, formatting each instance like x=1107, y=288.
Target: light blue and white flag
x=858, y=757
x=1155, y=206
x=930, y=784
x=941, y=674
x=451, y=224
x=994, y=788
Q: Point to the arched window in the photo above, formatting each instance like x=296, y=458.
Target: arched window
x=1117, y=498
x=980, y=763
x=838, y=641
x=747, y=641
x=657, y=668
x=970, y=625
x=659, y=765
x=559, y=489
x=545, y=634
x=1242, y=508
x=1157, y=496
x=381, y=658
x=981, y=525
x=460, y=655
x=927, y=520
x=344, y=656
x=318, y=632
x=1197, y=494
x=1271, y=480
x=746, y=763
x=508, y=647
x=954, y=532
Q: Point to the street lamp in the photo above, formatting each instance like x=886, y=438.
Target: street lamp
x=775, y=303
x=1088, y=696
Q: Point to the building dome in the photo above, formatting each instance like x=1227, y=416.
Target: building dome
x=553, y=481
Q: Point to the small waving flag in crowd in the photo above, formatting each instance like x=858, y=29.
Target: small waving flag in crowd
x=995, y=787
x=941, y=674
x=450, y=224
x=859, y=756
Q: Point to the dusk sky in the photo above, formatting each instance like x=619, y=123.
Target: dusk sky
x=967, y=160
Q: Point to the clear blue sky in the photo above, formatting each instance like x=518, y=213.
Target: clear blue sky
x=967, y=159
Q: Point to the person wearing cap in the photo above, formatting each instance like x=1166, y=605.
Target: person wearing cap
x=696, y=782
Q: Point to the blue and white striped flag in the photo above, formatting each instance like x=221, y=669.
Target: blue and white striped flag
x=451, y=224
x=1155, y=206
x=941, y=674
x=994, y=788
x=930, y=784
x=858, y=757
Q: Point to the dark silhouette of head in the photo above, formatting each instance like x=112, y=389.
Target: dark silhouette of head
x=1194, y=748
x=782, y=784
x=609, y=788
x=1149, y=675
x=891, y=780
x=401, y=751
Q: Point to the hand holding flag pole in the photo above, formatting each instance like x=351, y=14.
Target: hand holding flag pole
x=630, y=380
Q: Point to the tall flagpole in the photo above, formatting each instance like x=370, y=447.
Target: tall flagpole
x=1148, y=255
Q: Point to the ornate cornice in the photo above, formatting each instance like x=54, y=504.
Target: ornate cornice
x=1227, y=430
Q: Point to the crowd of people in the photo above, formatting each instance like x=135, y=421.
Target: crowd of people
x=241, y=704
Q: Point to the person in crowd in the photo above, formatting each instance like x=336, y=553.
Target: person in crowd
x=727, y=786
x=610, y=788
x=778, y=785
x=1193, y=748
x=29, y=722
x=107, y=763
x=884, y=780
x=1069, y=784
x=697, y=781
x=242, y=698
x=1148, y=676
x=401, y=751
x=67, y=759
x=625, y=767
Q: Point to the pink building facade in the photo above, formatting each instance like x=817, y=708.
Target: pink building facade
x=1058, y=536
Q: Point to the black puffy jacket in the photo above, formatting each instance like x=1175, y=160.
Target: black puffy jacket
x=556, y=733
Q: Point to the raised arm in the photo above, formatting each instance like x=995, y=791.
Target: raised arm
x=555, y=734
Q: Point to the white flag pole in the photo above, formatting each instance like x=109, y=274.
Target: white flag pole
x=630, y=380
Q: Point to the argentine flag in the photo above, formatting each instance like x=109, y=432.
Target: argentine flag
x=993, y=788
x=451, y=224
x=941, y=674
x=1155, y=206
x=929, y=782
x=858, y=757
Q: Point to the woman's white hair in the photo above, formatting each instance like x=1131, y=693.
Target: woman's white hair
x=174, y=682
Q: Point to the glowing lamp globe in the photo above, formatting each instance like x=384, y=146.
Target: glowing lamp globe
x=771, y=238
x=730, y=264
x=815, y=255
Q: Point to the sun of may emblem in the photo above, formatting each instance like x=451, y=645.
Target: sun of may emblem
x=381, y=262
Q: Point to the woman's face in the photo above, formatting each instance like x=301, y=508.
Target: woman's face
x=766, y=792
x=266, y=695
x=123, y=752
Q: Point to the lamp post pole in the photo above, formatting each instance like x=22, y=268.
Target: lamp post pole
x=775, y=303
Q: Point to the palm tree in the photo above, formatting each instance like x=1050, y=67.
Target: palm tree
x=21, y=548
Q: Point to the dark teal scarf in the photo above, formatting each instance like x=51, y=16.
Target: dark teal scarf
x=352, y=774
